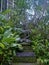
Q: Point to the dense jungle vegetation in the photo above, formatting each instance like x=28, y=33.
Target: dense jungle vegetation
x=31, y=16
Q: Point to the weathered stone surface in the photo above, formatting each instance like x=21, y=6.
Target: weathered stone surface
x=23, y=54
x=27, y=48
x=25, y=40
x=25, y=44
x=24, y=63
x=24, y=59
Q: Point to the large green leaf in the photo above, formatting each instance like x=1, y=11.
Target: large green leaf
x=8, y=40
x=2, y=45
x=7, y=33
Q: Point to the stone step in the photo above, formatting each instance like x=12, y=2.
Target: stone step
x=24, y=64
x=25, y=44
x=25, y=40
x=27, y=48
x=25, y=57
x=25, y=54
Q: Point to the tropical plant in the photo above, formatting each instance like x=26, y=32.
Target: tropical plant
x=9, y=38
x=40, y=44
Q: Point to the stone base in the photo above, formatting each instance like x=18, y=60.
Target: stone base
x=24, y=64
x=24, y=59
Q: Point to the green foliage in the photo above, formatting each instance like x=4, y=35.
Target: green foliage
x=9, y=38
x=38, y=8
x=40, y=44
x=21, y=4
x=9, y=33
